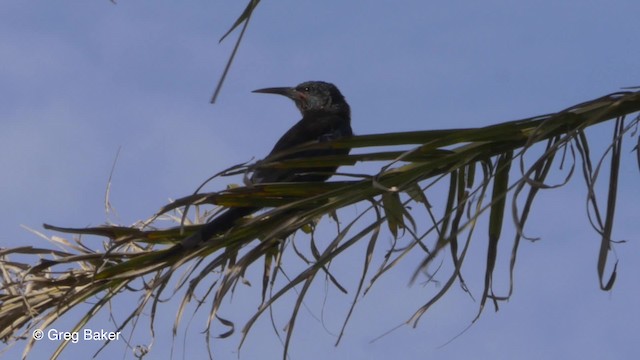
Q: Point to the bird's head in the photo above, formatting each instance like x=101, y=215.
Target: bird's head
x=313, y=96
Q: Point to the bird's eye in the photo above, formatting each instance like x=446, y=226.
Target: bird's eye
x=306, y=89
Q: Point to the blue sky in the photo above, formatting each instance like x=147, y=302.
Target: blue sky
x=81, y=79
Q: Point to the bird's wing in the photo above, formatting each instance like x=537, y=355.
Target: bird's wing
x=311, y=128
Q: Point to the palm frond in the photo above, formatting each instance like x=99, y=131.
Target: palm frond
x=470, y=163
x=243, y=18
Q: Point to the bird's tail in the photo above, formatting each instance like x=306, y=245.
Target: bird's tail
x=218, y=225
x=169, y=257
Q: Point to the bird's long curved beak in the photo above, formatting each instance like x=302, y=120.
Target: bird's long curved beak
x=289, y=92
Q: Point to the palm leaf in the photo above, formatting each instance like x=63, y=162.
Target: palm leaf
x=474, y=161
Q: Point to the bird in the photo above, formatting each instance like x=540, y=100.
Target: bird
x=326, y=116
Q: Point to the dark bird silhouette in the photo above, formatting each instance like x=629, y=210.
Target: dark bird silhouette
x=325, y=116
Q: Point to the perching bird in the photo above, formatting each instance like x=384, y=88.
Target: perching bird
x=325, y=116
